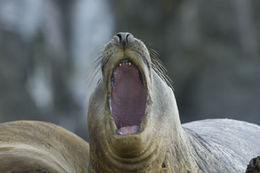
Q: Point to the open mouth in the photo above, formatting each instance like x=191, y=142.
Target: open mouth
x=128, y=97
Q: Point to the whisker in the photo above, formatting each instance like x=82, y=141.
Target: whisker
x=159, y=68
x=94, y=71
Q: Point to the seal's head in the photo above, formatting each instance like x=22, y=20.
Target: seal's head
x=128, y=108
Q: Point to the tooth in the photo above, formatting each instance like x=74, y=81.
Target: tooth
x=120, y=64
x=129, y=63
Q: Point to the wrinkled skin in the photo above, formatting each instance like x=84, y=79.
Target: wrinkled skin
x=162, y=145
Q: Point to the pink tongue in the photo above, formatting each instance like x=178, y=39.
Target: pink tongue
x=128, y=130
x=128, y=99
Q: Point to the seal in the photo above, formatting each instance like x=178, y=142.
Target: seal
x=134, y=126
x=134, y=123
x=40, y=147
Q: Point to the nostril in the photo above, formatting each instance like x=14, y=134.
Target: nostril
x=124, y=38
x=119, y=35
x=129, y=38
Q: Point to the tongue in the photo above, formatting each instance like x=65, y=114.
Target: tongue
x=128, y=130
x=128, y=99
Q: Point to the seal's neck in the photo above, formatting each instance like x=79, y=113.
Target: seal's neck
x=178, y=157
x=168, y=152
x=134, y=153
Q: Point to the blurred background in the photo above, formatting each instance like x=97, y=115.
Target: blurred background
x=210, y=48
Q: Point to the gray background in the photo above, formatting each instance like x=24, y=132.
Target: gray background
x=210, y=48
